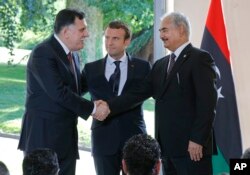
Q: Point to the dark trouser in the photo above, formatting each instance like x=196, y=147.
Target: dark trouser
x=67, y=166
x=185, y=166
x=108, y=165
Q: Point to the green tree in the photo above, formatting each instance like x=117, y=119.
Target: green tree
x=18, y=16
x=138, y=14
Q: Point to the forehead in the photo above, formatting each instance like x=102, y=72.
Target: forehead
x=166, y=23
x=80, y=22
x=115, y=32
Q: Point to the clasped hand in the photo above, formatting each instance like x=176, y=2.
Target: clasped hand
x=102, y=110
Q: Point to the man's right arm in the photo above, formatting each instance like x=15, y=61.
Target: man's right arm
x=132, y=98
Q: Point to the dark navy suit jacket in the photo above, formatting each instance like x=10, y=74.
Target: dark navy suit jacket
x=109, y=136
x=185, y=101
x=52, y=102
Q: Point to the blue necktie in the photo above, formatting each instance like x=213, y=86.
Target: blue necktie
x=114, y=79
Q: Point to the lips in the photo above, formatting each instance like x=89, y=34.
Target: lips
x=110, y=48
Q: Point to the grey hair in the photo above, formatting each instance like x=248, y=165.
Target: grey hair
x=178, y=20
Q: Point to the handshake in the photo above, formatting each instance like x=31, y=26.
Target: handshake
x=102, y=110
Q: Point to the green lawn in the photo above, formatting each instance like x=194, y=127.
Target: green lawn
x=12, y=95
x=12, y=99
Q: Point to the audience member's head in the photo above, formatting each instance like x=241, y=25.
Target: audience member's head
x=3, y=169
x=246, y=154
x=141, y=156
x=41, y=162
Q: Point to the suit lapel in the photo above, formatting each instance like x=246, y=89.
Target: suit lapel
x=130, y=72
x=162, y=72
x=62, y=57
x=76, y=60
x=101, y=73
x=181, y=59
x=60, y=53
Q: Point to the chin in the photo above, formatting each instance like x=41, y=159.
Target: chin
x=81, y=47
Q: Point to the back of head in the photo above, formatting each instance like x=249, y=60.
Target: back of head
x=141, y=154
x=3, y=169
x=41, y=162
x=67, y=17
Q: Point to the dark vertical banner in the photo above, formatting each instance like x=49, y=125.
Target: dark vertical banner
x=226, y=126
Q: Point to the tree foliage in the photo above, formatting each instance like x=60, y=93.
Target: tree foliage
x=37, y=14
x=138, y=14
x=18, y=16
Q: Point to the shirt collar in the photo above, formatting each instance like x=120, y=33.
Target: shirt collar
x=178, y=51
x=123, y=59
x=65, y=48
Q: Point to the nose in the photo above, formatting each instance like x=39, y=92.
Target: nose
x=161, y=35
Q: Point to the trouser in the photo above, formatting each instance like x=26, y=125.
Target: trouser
x=186, y=166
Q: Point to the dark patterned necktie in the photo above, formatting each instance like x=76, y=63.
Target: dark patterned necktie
x=72, y=68
x=114, y=79
x=171, y=63
x=70, y=61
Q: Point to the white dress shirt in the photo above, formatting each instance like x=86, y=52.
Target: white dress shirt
x=110, y=68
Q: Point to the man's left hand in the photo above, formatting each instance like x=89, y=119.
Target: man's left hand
x=195, y=151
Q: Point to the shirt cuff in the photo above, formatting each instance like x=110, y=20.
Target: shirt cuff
x=94, y=109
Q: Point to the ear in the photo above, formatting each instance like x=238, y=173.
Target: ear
x=127, y=42
x=182, y=30
x=124, y=166
x=158, y=167
x=65, y=32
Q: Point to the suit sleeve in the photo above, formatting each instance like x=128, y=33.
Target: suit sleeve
x=47, y=70
x=204, y=78
x=84, y=84
x=133, y=97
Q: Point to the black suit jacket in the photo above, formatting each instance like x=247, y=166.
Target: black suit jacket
x=110, y=135
x=185, y=101
x=52, y=102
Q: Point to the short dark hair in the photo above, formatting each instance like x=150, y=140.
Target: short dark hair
x=3, y=169
x=40, y=162
x=67, y=17
x=141, y=154
x=121, y=25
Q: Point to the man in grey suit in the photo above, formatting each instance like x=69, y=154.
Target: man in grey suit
x=183, y=86
x=53, y=100
x=107, y=78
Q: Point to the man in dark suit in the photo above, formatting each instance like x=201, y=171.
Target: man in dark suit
x=106, y=80
x=53, y=100
x=183, y=85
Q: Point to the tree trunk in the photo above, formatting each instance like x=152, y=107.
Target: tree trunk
x=93, y=45
x=146, y=52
